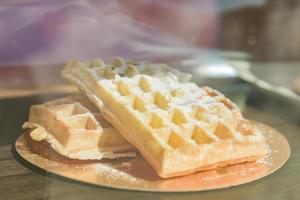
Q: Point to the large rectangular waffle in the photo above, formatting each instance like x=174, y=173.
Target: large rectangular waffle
x=178, y=127
x=74, y=128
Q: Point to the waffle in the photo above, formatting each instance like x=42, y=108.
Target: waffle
x=129, y=68
x=74, y=128
x=178, y=127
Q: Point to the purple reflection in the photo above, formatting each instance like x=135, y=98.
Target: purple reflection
x=55, y=31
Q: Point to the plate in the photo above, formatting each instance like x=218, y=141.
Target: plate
x=137, y=174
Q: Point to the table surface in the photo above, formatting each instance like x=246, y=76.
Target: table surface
x=20, y=180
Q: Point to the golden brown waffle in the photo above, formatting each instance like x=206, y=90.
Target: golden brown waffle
x=74, y=127
x=178, y=127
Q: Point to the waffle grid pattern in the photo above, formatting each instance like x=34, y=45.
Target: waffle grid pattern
x=75, y=128
x=120, y=67
x=77, y=116
x=180, y=115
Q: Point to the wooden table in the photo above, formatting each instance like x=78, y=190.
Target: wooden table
x=20, y=180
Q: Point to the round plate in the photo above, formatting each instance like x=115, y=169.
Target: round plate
x=137, y=174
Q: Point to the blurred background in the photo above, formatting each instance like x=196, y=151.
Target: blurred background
x=227, y=44
x=55, y=31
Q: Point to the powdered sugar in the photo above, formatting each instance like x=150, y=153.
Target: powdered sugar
x=113, y=173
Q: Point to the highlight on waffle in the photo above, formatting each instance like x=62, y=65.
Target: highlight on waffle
x=177, y=126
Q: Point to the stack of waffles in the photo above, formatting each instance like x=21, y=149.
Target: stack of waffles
x=74, y=126
x=178, y=127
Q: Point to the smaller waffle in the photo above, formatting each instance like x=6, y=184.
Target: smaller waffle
x=75, y=129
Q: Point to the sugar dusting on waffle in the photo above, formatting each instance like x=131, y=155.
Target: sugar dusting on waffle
x=178, y=127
